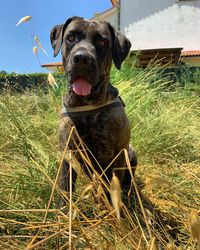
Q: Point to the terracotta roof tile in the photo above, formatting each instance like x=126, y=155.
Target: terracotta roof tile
x=114, y=2
x=53, y=64
x=168, y=54
x=190, y=53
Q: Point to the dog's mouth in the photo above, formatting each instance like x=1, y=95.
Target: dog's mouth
x=81, y=86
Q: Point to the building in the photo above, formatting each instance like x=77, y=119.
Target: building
x=159, y=25
x=161, y=29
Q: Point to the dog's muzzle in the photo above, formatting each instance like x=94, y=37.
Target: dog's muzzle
x=83, y=71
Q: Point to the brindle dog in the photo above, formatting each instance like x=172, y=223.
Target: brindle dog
x=88, y=48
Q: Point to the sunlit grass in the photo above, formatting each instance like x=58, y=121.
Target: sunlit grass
x=165, y=123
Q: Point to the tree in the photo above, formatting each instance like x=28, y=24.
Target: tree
x=3, y=72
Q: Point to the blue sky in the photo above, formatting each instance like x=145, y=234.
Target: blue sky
x=16, y=45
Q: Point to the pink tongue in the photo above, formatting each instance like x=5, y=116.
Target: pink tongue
x=81, y=87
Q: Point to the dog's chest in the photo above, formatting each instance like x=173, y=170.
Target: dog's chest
x=102, y=128
x=100, y=132
x=105, y=133
x=95, y=125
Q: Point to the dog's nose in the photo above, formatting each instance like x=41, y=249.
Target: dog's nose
x=81, y=58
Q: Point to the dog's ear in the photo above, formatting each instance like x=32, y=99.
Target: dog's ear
x=57, y=33
x=56, y=38
x=120, y=47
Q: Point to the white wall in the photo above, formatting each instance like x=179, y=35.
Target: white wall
x=161, y=23
x=110, y=16
x=112, y=19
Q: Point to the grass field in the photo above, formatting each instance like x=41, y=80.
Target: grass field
x=165, y=120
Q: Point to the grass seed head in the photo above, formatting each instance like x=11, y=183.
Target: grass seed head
x=99, y=190
x=194, y=225
x=39, y=44
x=23, y=20
x=52, y=80
x=115, y=192
x=35, y=50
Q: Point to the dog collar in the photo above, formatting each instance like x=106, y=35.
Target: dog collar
x=90, y=109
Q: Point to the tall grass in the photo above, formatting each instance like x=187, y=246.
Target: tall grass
x=164, y=118
x=165, y=123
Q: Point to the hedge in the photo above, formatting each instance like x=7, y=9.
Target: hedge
x=181, y=74
x=20, y=82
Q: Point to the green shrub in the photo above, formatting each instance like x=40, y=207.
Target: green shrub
x=165, y=122
x=20, y=82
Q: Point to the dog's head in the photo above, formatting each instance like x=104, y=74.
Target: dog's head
x=88, y=48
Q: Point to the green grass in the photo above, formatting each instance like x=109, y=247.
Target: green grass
x=165, y=123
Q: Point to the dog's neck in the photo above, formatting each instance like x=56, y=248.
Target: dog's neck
x=101, y=93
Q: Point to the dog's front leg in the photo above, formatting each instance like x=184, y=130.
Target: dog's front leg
x=64, y=175
x=64, y=180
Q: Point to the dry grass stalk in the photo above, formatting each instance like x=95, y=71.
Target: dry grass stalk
x=90, y=230
x=19, y=236
x=23, y=20
x=44, y=226
x=28, y=211
x=128, y=234
x=75, y=164
x=187, y=192
x=115, y=192
x=70, y=200
x=53, y=188
x=139, y=244
x=39, y=44
x=89, y=224
x=194, y=226
x=86, y=190
x=153, y=245
x=13, y=221
x=39, y=243
x=58, y=173
x=159, y=180
x=137, y=192
x=141, y=229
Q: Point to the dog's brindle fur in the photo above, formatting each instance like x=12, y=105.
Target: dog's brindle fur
x=88, y=48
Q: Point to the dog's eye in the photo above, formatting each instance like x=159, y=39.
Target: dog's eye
x=100, y=42
x=71, y=38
